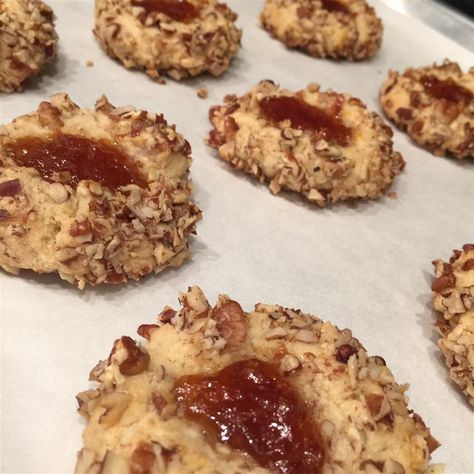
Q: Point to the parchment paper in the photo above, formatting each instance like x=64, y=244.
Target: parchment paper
x=366, y=267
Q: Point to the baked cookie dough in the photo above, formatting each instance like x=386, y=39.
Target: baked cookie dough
x=435, y=105
x=96, y=195
x=454, y=299
x=276, y=390
x=28, y=41
x=182, y=38
x=325, y=145
x=347, y=29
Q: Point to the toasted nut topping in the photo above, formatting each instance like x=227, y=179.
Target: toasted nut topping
x=443, y=283
x=305, y=335
x=58, y=193
x=344, y=352
x=143, y=459
x=115, y=403
x=146, y=330
x=290, y=363
x=230, y=322
x=137, y=360
x=468, y=265
x=276, y=333
x=10, y=188
x=159, y=402
x=80, y=228
x=167, y=315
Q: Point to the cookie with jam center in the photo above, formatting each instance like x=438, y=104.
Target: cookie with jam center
x=341, y=29
x=180, y=38
x=217, y=389
x=435, y=106
x=324, y=145
x=28, y=41
x=98, y=195
x=453, y=296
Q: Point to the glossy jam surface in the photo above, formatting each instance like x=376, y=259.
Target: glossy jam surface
x=70, y=159
x=446, y=89
x=306, y=117
x=334, y=6
x=250, y=406
x=178, y=10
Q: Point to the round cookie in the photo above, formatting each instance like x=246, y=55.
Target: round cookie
x=152, y=401
x=325, y=145
x=181, y=38
x=97, y=195
x=28, y=41
x=347, y=29
x=435, y=106
x=454, y=299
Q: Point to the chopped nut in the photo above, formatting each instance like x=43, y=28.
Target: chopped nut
x=136, y=361
x=143, y=459
x=159, y=402
x=89, y=63
x=202, y=92
x=115, y=403
x=290, y=363
x=10, y=188
x=305, y=335
x=58, y=193
x=276, y=333
x=230, y=322
x=146, y=330
x=344, y=353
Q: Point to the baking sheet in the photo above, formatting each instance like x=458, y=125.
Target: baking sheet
x=365, y=267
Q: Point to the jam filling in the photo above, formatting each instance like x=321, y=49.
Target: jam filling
x=446, y=89
x=334, y=6
x=306, y=117
x=70, y=159
x=250, y=406
x=178, y=10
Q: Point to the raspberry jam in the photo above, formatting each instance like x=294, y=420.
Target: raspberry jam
x=306, y=117
x=70, y=159
x=334, y=6
x=249, y=405
x=178, y=10
x=446, y=89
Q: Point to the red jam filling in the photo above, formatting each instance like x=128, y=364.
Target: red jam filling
x=70, y=159
x=334, y=6
x=178, y=10
x=446, y=89
x=250, y=406
x=306, y=117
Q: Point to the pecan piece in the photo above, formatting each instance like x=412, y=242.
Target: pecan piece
x=115, y=404
x=443, y=283
x=80, y=228
x=468, y=265
x=10, y=188
x=159, y=402
x=143, y=459
x=137, y=361
x=344, y=352
x=146, y=330
x=4, y=214
x=404, y=114
x=230, y=322
x=167, y=315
